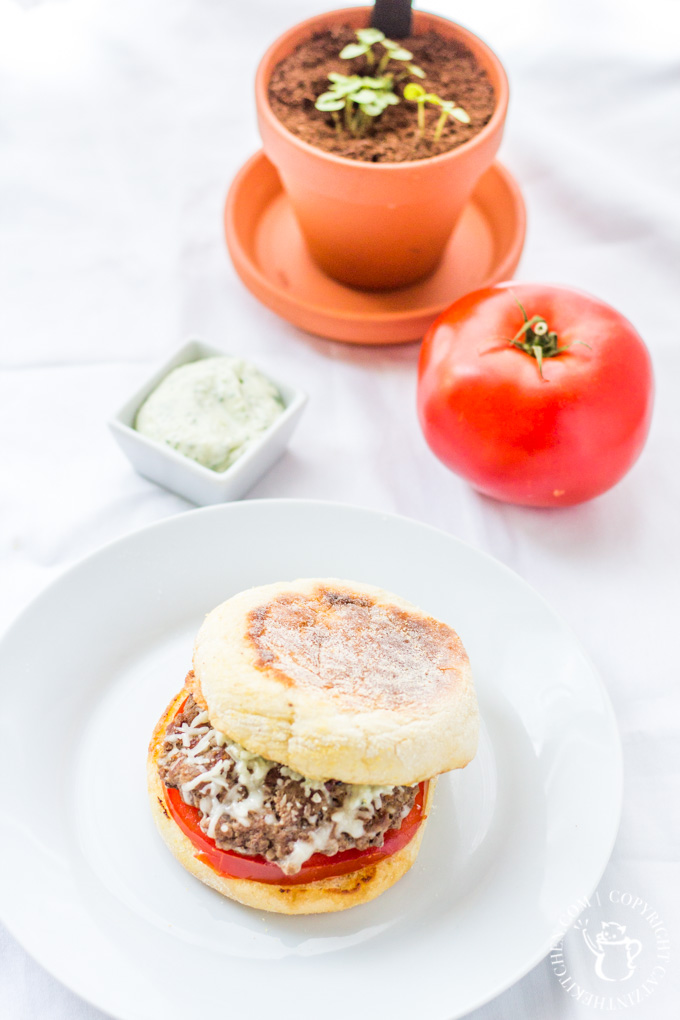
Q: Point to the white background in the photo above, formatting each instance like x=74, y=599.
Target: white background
x=121, y=126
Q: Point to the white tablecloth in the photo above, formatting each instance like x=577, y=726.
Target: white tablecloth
x=121, y=125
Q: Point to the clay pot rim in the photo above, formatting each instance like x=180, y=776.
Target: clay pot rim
x=469, y=38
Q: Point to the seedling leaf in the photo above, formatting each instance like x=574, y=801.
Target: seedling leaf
x=364, y=96
x=353, y=50
x=416, y=93
x=460, y=114
x=398, y=53
x=370, y=36
x=413, y=91
x=328, y=102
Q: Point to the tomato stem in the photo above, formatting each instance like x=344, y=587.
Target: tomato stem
x=537, y=340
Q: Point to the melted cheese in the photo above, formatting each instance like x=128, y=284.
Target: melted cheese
x=249, y=773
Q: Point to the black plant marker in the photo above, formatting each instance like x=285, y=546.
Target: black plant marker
x=393, y=17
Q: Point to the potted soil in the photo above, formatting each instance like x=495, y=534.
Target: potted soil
x=377, y=196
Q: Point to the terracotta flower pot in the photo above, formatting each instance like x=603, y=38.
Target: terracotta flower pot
x=377, y=225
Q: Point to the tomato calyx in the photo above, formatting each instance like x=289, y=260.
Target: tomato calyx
x=537, y=340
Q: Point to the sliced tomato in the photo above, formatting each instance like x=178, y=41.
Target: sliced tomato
x=319, y=866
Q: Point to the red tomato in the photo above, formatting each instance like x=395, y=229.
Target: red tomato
x=557, y=422
x=257, y=869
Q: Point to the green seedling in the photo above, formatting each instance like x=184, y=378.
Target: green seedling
x=370, y=37
x=360, y=98
x=416, y=94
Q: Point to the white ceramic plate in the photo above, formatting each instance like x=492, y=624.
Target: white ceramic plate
x=91, y=891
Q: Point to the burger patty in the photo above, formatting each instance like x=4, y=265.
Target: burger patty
x=257, y=807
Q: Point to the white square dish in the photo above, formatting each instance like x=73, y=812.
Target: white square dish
x=165, y=466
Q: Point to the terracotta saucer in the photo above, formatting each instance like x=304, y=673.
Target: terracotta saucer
x=271, y=258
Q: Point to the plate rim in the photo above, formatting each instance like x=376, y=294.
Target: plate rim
x=216, y=510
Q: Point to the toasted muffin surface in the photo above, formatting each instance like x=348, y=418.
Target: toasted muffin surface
x=338, y=680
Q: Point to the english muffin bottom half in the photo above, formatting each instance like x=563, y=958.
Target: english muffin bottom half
x=295, y=770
